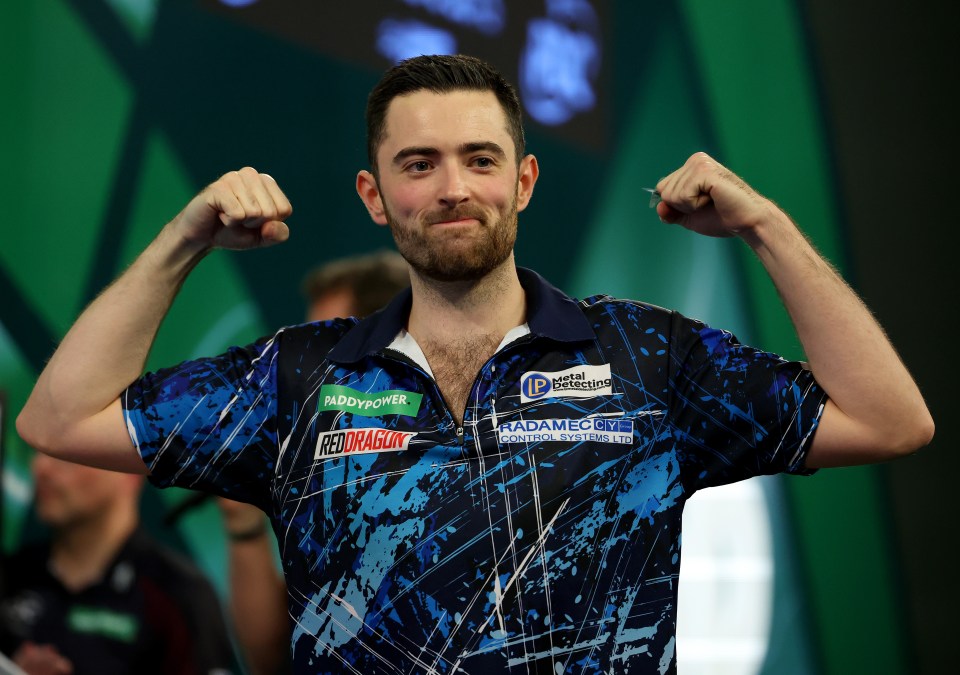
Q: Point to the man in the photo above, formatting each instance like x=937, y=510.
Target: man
x=356, y=285
x=486, y=476
x=103, y=597
x=352, y=286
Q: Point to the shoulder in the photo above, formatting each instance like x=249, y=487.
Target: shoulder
x=641, y=329
x=168, y=570
x=317, y=335
x=603, y=302
x=182, y=607
x=635, y=316
x=25, y=568
x=32, y=554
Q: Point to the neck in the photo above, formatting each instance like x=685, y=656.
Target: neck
x=81, y=552
x=447, y=309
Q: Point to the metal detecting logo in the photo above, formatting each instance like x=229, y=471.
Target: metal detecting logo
x=534, y=386
x=576, y=382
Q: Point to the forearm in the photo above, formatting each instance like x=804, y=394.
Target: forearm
x=875, y=410
x=107, y=346
x=74, y=409
x=883, y=412
x=258, y=604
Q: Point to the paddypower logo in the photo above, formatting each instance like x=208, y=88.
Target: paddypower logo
x=392, y=402
x=359, y=441
x=576, y=382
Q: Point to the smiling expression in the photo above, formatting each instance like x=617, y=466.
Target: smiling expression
x=449, y=186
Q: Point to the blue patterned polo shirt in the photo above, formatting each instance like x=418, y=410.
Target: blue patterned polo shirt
x=540, y=535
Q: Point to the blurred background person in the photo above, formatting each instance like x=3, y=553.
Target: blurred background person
x=352, y=286
x=101, y=596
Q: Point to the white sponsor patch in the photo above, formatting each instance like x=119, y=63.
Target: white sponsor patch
x=359, y=441
x=589, y=429
x=576, y=382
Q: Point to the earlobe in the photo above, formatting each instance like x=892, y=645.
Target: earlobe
x=369, y=193
x=529, y=171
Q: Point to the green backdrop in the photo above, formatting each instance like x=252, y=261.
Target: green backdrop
x=116, y=112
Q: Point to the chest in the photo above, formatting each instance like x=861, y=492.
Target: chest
x=495, y=432
x=456, y=366
x=529, y=496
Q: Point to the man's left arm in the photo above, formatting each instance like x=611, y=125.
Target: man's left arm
x=875, y=411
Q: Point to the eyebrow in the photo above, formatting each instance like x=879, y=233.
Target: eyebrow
x=482, y=146
x=463, y=149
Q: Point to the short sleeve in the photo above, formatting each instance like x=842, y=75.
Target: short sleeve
x=210, y=424
x=737, y=411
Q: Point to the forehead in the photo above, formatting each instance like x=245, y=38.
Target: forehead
x=428, y=119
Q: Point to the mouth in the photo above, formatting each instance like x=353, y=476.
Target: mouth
x=462, y=217
x=457, y=222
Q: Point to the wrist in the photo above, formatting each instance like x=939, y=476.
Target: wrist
x=183, y=247
x=774, y=225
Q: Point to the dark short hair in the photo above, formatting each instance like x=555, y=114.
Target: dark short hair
x=372, y=278
x=440, y=74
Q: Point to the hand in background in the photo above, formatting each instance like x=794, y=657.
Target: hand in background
x=37, y=659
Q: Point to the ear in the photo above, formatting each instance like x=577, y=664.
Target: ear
x=369, y=193
x=529, y=170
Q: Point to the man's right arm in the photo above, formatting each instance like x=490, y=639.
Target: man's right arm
x=74, y=411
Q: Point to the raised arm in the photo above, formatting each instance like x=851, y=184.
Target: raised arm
x=876, y=411
x=74, y=410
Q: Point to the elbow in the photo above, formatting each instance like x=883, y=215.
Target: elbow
x=31, y=431
x=918, y=434
x=925, y=432
x=25, y=428
x=38, y=431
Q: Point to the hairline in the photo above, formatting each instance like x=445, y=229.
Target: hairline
x=519, y=155
x=519, y=152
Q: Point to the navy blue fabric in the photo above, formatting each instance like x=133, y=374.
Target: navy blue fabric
x=542, y=535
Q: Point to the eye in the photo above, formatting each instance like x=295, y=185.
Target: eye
x=483, y=162
x=420, y=166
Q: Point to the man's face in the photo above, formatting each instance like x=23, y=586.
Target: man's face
x=449, y=185
x=68, y=494
x=333, y=304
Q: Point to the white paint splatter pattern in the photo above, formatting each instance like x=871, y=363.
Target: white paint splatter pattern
x=465, y=555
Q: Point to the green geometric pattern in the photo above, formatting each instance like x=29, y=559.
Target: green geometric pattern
x=95, y=160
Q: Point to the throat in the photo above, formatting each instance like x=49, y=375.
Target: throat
x=456, y=364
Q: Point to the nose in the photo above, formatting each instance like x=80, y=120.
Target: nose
x=41, y=465
x=454, y=189
x=45, y=464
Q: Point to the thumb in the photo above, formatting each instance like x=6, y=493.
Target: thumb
x=668, y=214
x=274, y=232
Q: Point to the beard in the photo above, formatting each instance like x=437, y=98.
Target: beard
x=456, y=255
